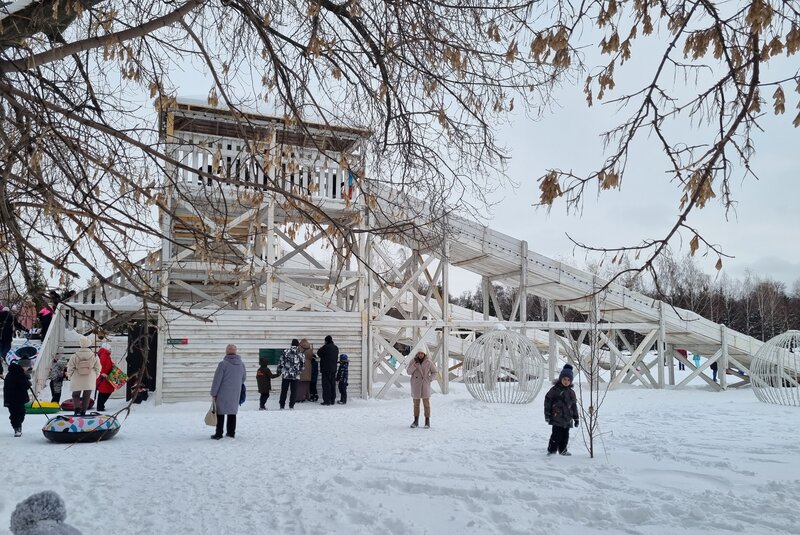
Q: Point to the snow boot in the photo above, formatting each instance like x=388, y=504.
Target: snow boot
x=17, y=431
x=262, y=408
x=415, y=423
x=216, y=437
x=427, y=423
x=565, y=453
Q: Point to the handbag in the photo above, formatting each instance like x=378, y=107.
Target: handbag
x=242, y=395
x=116, y=377
x=211, y=415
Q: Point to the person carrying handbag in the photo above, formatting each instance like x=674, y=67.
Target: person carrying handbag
x=226, y=391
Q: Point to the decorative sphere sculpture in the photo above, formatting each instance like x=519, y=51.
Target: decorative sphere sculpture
x=503, y=367
x=775, y=370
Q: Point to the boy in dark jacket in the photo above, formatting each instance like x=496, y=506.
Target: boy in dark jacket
x=341, y=378
x=15, y=393
x=264, y=378
x=561, y=411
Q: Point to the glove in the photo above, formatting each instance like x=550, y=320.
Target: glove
x=575, y=422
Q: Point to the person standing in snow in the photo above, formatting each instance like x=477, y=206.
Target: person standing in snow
x=45, y=317
x=561, y=411
x=422, y=371
x=58, y=372
x=15, y=393
x=714, y=369
x=341, y=378
x=328, y=355
x=104, y=388
x=82, y=371
x=290, y=367
x=264, y=378
x=304, y=386
x=7, y=325
x=226, y=390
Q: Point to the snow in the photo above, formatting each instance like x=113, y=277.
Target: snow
x=669, y=461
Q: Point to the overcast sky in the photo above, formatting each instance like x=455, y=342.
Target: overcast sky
x=762, y=233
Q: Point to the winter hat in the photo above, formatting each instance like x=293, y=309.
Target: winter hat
x=566, y=372
x=85, y=342
x=41, y=514
x=328, y=339
x=295, y=343
x=24, y=362
x=423, y=348
x=343, y=356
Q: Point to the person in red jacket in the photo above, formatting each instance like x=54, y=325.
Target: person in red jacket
x=104, y=387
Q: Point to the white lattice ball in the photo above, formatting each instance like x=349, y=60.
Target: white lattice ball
x=775, y=370
x=503, y=367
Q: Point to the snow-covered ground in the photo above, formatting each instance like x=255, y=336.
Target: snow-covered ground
x=689, y=461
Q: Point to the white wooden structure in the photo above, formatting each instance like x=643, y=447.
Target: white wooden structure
x=267, y=275
x=775, y=368
x=503, y=366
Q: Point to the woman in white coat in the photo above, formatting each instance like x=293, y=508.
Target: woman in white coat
x=82, y=371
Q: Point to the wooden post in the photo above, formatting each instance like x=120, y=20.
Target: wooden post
x=365, y=308
x=485, y=290
x=270, y=257
x=662, y=330
x=523, y=286
x=722, y=363
x=445, y=307
x=552, y=357
x=671, y=362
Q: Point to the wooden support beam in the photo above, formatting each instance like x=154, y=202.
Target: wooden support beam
x=285, y=237
x=637, y=354
x=467, y=261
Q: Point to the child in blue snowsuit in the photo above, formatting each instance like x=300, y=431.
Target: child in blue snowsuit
x=561, y=411
x=341, y=378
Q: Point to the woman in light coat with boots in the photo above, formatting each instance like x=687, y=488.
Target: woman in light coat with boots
x=82, y=371
x=226, y=390
x=422, y=371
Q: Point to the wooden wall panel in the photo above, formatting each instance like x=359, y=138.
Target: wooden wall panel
x=189, y=368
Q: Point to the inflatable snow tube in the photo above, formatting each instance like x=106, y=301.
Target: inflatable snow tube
x=90, y=428
x=24, y=351
x=41, y=407
x=67, y=404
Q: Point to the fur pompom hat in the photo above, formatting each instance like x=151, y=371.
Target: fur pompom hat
x=41, y=514
x=85, y=342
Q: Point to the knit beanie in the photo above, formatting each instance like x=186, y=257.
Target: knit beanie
x=566, y=372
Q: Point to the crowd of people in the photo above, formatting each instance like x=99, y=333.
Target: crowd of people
x=298, y=369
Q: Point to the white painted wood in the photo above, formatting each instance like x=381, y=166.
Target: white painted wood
x=188, y=370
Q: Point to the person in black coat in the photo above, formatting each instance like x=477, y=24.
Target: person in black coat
x=561, y=411
x=15, y=393
x=328, y=357
x=7, y=325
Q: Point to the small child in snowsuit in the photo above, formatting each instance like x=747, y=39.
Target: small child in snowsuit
x=15, y=393
x=341, y=378
x=58, y=372
x=264, y=378
x=561, y=411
